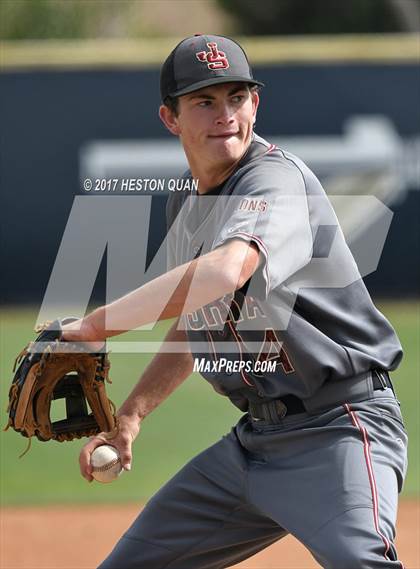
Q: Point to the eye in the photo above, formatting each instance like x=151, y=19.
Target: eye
x=204, y=103
x=238, y=98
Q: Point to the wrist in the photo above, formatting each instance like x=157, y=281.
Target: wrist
x=131, y=418
x=85, y=330
x=93, y=326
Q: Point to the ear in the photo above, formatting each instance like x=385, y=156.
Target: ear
x=255, y=102
x=169, y=119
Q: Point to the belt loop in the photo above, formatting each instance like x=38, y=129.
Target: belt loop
x=275, y=417
x=390, y=384
x=266, y=412
x=382, y=381
x=281, y=408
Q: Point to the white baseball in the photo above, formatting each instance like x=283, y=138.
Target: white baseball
x=106, y=463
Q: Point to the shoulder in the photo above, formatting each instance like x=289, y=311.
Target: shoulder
x=269, y=168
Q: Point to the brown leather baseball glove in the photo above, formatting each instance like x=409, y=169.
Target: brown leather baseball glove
x=53, y=369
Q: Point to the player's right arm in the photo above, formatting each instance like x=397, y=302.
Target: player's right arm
x=161, y=377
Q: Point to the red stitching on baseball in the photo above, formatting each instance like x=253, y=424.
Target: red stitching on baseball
x=106, y=466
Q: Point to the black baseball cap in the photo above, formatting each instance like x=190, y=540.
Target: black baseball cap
x=203, y=60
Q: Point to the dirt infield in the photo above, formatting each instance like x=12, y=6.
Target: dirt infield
x=80, y=537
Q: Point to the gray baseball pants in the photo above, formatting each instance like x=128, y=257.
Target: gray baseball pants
x=330, y=479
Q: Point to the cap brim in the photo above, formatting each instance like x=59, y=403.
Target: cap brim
x=214, y=81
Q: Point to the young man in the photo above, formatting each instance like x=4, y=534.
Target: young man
x=269, y=302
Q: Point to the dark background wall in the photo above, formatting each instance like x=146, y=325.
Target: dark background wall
x=46, y=116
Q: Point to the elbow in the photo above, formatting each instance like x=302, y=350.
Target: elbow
x=232, y=266
x=234, y=278
x=219, y=281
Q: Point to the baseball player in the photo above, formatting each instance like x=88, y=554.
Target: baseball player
x=269, y=303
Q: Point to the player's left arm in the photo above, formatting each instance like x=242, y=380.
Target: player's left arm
x=194, y=284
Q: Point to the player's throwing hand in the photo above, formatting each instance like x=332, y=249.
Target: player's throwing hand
x=128, y=429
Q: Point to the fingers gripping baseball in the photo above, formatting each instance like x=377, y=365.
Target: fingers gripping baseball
x=123, y=441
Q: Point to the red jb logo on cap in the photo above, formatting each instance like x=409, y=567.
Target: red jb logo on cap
x=215, y=59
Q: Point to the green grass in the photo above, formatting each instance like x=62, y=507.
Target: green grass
x=190, y=420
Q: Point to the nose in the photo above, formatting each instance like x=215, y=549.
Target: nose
x=224, y=116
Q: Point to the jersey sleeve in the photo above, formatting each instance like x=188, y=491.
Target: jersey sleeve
x=269, y=207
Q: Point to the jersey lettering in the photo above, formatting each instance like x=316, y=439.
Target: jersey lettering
x=273, y=349
x=259, y=206
x=253, y=309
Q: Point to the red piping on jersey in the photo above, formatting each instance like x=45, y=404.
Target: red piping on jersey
x=271, y=148
x=371, y=475
x=238, y=339
x=210, y=338
x=261, y=243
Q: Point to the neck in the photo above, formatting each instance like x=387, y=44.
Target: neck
x=210, y=176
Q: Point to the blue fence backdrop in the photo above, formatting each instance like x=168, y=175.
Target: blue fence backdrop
x=47, y=116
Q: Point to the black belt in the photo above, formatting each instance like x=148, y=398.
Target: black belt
x=272, y=411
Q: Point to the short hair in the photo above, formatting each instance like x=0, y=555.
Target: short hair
x=173, y=102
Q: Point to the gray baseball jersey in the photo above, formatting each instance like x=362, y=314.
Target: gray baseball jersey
x=306, y=316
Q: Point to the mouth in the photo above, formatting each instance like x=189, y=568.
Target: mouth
x=223, y=135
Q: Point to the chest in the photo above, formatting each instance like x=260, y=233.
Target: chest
x=196, y=227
